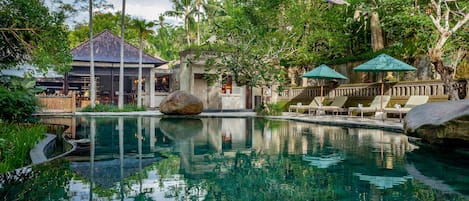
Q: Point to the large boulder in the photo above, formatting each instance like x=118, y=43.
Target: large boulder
x=181, y=103
x=445, y=123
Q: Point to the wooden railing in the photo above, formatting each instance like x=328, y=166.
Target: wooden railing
x=427, y=88
x=57, y=103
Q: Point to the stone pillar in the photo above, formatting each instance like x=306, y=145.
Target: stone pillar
x=152, y=88
x=185, y=77
x=274, y=93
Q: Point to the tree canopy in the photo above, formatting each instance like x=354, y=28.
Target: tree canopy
x=30, y=33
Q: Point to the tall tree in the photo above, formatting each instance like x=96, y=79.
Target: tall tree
x=144, y=29
x=184, y=9
x=377, y=37
x=168, y=40
x=447, y=17
x=30, y=33
x=198, y=5
x=120, y=102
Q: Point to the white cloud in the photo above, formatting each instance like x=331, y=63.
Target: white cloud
x=146, y=9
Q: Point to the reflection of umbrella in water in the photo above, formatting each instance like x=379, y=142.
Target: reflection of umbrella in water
x=324, y=161
x=383, y=63
x=322, y=73
x=383, y=182
x=181, y=128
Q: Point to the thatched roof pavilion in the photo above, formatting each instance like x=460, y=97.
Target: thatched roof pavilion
x=107, y=49
x=107, y=63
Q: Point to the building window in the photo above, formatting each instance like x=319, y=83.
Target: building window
x=162, y=83
x=227, y=86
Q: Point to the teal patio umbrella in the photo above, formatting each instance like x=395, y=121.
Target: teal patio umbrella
x=322, y=73
x=383, y=63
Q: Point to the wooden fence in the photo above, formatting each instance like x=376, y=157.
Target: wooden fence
x=57, y=103
x=427, y=88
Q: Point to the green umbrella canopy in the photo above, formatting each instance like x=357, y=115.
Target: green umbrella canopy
x=382, y=63
x=324, y=72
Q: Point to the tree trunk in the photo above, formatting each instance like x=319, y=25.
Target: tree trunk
x=120, y=103
x=377, y=41
x=198, y=25
x=92, y=79
x=139, y=85
x=447, y=78
x=186, y=25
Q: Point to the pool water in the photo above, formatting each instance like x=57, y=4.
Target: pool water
x=165, y=158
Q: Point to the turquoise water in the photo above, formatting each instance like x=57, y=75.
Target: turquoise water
x=154, y=158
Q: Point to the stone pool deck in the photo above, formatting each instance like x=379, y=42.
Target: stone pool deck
x=339, y=120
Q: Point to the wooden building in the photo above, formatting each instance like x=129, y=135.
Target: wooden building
x=107, y=66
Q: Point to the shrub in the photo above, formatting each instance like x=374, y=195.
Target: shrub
x=16, y=140
x=17, y=105
x=111, y=108
x=272, y=109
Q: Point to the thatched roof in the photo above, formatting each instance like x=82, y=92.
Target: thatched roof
x=107, y=49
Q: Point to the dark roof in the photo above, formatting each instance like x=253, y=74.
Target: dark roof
x=107, y=49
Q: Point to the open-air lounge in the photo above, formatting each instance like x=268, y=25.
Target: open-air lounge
x=156, y=76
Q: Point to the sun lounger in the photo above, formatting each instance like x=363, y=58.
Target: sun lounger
x=314, y=103
x=336, y=106
x=411, y=103
x=374, y=106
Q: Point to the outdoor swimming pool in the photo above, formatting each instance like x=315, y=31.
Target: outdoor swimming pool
x=156, y=158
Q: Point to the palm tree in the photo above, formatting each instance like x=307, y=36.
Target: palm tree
x=92, y=80
x=143, y=28
x=120, y=103
x=198, y=4
x=184, y=9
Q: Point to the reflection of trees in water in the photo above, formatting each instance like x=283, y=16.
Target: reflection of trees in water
x=386, y=149
x=440, y=168
x=267, y=177
x=257, y=176
x=55, y=176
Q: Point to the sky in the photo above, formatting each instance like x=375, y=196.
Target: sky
x=146, y=9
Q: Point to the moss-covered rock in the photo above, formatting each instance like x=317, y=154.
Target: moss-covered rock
x=445, y=123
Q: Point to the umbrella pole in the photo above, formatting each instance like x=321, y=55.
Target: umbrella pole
x=322, y=99
x=382, y=92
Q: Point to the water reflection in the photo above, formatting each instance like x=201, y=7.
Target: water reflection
x=155, y=158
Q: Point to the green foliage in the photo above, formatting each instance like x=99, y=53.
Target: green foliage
x=112, y=108
x=272, y=109
x=16, y=140
x=29, y=33
x=167, y=43
x=17, y=99
x=101, y=22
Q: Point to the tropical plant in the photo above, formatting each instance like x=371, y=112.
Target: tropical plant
x=16, y=140
x=17, y=99
x=144, y=29
x=168, y=40
x=185, y=9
